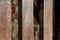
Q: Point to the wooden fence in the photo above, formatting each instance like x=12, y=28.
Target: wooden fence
x=27, y=20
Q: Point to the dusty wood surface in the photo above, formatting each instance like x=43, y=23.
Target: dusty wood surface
x=27, y=20
x=5, y=20
x=48, y=19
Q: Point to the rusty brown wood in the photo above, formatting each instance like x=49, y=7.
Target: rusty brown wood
x=5, y=20
x=27, y=20
x=48, y=19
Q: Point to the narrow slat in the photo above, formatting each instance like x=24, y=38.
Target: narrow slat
x=48, y=19
x=5, y=20
x=27, y=20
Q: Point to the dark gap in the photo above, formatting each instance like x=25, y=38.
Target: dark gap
x=41, y=15
x=54, y=34
x=53, y=20
x=38, y=19
x=56, y=26
x=20, y=19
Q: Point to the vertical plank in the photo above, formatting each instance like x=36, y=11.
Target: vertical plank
x=5, y=20
x=27, y=20
x=48, y=19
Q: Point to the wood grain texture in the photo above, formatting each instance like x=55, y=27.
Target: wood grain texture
x=5, y=20
x=48, y=19
x=27, y=20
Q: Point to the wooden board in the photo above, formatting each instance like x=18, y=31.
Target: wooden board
x=5, y=20
x=27, y=20
x=48, y=19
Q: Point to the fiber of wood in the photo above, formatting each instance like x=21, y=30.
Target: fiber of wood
x=27, y=20
x=48, y=19
x=5, y=20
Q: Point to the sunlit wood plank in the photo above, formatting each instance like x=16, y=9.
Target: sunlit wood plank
x=5, y=20
x=48, y=19
x=27, y=20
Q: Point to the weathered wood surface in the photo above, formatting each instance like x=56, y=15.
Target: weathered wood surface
x=48, y=19
x=27, y=20
x=5, y=20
